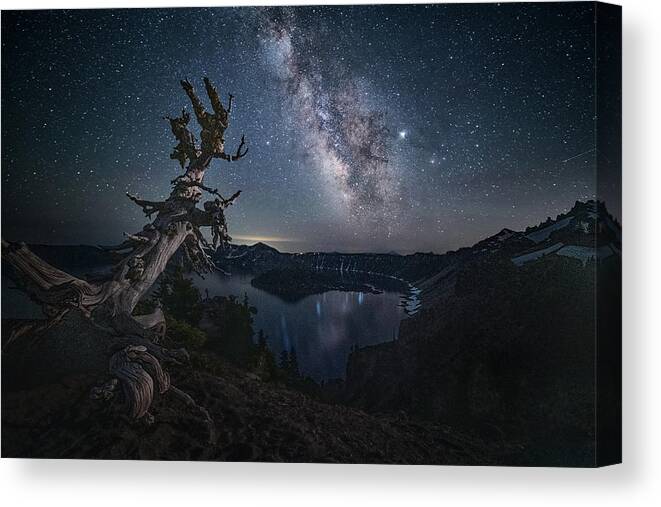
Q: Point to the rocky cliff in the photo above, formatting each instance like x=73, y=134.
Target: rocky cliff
x=507, y=347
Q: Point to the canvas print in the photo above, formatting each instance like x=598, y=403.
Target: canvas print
x=382, y=234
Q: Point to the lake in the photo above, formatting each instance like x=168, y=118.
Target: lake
x=322, y=327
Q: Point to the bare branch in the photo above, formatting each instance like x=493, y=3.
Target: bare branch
x=216, y=104
x=48, y=286
x=196, y=256
x=148, y=207
x=213, y=129
x=183, y=183
x=33, y=328
x=186, y=149
x=230, y=201
x=198, y=108
x=239, y=154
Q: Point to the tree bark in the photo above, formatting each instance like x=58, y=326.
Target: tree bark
x=109, y=304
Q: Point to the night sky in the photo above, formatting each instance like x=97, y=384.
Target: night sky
x=373, y=128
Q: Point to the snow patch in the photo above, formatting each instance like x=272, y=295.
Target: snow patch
x=522, y=259
x=586, y=253
x=543, y=234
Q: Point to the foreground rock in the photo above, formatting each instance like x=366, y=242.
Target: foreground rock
x=253, y=421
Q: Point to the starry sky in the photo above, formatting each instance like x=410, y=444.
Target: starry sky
x=370, y=128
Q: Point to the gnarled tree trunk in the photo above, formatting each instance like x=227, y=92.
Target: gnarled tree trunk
x=109, y=304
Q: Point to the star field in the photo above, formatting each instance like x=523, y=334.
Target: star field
x=371, y=128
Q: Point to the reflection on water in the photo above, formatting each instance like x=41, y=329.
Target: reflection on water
x=321, y=327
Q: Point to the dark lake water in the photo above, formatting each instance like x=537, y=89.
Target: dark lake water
x=322, y=327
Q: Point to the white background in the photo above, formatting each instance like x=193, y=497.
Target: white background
x=636, y=482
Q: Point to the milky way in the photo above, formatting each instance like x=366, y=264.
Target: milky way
x=338, y=128
x=371, y=128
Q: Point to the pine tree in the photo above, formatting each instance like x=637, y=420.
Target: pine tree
x=294, y=372
x=284, y=361
x=179, y=297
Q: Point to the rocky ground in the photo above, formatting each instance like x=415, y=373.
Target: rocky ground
x=252, y=421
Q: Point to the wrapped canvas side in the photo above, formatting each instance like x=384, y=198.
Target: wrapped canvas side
x=608, y=153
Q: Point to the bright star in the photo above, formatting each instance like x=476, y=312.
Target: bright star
x=402, y=134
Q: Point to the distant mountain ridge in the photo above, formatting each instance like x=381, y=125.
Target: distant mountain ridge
x=586, y=232
x=259, y=258
x=506, y=341
x=582, y=218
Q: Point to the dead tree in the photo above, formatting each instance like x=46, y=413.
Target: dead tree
x=177, y=224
